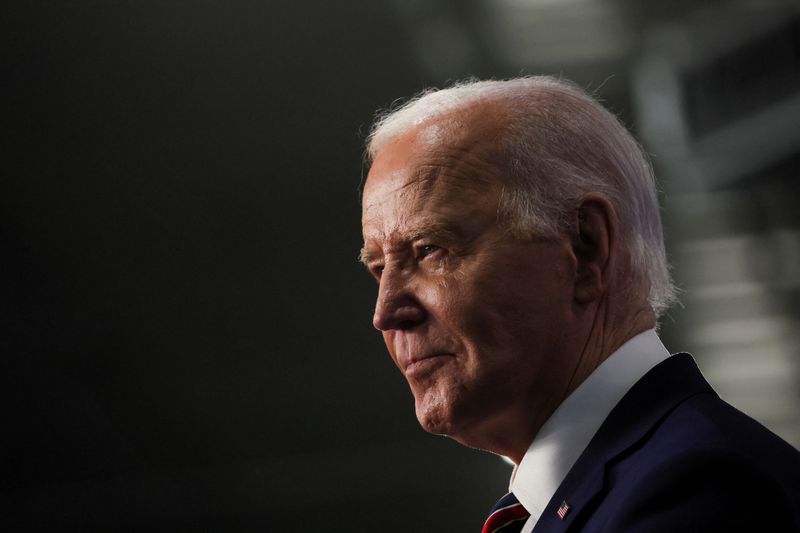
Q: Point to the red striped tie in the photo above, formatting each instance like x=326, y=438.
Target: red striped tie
x=508, y=515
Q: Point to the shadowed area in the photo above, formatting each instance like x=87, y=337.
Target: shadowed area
x=186, y=328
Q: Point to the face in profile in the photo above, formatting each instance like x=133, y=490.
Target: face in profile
x=472, y=316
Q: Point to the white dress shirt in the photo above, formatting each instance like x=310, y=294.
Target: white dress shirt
x=567, y=432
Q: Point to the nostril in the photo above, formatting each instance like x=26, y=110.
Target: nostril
x=402, y=317
x=408, y=316
x=406, y=324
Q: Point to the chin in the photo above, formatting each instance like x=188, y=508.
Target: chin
x=435, y=416
x=444, y=415
x=458, y=420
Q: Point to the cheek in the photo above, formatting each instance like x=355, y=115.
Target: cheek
x=438, y=298
x=466, y=315
x=509, y=310
x=491, y=304
x=449, y=304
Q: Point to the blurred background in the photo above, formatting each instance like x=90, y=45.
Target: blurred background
x=185, y=328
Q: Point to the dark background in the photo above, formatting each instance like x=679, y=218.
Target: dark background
x=185, y=328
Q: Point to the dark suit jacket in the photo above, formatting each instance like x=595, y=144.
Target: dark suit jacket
x=673, y=457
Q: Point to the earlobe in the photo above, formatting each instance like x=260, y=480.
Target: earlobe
x=594, y=232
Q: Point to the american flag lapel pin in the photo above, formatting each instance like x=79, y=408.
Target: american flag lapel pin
x=563, y=510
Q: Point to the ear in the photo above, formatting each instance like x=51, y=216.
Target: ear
x=593, y=244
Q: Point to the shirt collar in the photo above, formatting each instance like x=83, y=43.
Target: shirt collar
x=562, y=439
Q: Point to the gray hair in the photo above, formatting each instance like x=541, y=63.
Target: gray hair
x=559, y=144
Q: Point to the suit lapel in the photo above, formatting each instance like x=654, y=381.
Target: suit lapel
x=640, y=411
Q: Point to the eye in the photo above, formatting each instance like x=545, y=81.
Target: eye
x=427, y=250
x=376, y=270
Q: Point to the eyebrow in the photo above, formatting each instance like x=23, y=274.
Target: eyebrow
x=365, y=257
x=438, y=230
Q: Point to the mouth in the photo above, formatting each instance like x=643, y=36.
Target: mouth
x=419, y=367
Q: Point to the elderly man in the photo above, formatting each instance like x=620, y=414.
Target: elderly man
x=514, y=232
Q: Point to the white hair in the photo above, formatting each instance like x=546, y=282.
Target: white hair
x=559, y=144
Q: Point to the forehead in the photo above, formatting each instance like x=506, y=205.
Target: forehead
x=449, y=166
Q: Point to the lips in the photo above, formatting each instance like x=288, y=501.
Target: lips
x=417, y=367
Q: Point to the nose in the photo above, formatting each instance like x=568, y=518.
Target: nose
x=396, y=306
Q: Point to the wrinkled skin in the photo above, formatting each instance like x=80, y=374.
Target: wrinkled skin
x=473, y=317
x=491, y=330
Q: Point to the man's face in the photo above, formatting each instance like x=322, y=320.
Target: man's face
x=475, y=319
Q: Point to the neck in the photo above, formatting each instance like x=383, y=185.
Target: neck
x=604, y=334
x=599, y=332
x=609, y=329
